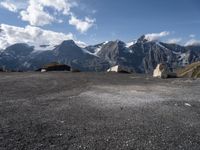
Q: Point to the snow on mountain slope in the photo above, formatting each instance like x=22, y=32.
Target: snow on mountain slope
x=141, y=56
x=130, y=44
x=90, y=53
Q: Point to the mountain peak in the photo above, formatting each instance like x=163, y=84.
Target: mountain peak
x=69, y=48
x=67, y=45
x=120, y=42
x=19, y=48
x=142, y=39
x=68, y=42
x=18, y=45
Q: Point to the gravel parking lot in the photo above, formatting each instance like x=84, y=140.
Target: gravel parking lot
x=98, y=111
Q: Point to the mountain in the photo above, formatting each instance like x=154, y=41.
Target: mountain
x=141, y=56
x=14, y=56
x=116, y=53
x=95, y=48
x=69, y=53
x=23, y=57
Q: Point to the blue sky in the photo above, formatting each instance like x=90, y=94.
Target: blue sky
x=115, y=19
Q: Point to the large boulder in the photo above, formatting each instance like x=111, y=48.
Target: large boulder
x=163, y=72
x=160, y=71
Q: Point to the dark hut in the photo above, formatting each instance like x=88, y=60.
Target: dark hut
x=55, y=67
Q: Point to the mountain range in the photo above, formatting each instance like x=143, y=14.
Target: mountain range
x=141, y=56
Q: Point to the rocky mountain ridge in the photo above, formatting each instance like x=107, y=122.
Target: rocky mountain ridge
x=141, y=57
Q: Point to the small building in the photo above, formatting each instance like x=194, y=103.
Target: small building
x=119, y=69
x=55, y=67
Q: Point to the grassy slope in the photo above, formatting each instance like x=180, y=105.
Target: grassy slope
x=192, y=70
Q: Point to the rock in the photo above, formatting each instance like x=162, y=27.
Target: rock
x=187, y=104
x=43, y=70
x=163, y=72
x=119, y=69
x=160, y=71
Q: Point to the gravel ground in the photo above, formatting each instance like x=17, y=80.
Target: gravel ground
x=98, y=111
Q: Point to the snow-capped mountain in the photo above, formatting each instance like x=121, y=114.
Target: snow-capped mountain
x=24, y=57
x=141, y=56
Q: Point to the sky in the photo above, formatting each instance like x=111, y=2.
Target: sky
x=96, y=21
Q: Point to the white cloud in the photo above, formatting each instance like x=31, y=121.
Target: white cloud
x=81, y=44
x=193, y=42
x=174, y=40
x=45, y=12
x=35, y=11
x=63, y=6
x=192, y=35
x=9, y=5
x=34, y=36
x=36, y=15
x=14, y=5
x=81, y=25
x=156, y=36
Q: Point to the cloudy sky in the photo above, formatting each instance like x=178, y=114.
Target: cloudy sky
x=94, y=21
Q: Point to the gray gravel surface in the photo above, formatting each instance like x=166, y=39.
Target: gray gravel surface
x=98, y=111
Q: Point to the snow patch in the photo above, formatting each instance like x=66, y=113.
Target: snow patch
x=158, y=43
x=106, y=42
x=131, y=51
x=130, y=44
x=86, y=51
x=97, y=50
x=176, y=53
x=184, y=58
x=26, y=64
